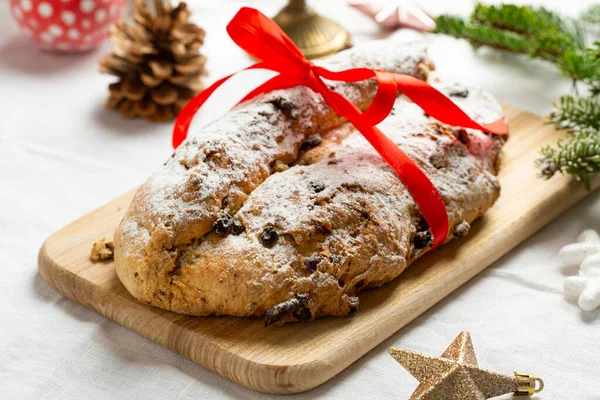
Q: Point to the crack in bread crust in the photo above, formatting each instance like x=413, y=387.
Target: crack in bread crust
x=343, y=222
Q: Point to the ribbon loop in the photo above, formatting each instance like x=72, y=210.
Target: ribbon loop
x=262, y=38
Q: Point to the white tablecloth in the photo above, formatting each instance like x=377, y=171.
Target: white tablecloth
x=62, y=154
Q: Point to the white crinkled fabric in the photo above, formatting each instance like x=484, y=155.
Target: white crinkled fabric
x=62, y=155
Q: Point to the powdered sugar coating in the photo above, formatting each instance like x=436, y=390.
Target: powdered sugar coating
x=361, y=225
x=182, y=199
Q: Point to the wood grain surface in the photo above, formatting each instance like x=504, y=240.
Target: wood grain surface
x=297, y=357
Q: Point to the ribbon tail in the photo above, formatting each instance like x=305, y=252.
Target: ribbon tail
x=276, y=83
x=184, y=119
x=423, y=191
x=425, y=194
x=440, y=107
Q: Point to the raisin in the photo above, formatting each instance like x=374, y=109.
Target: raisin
x=237, y=228
x=282, y=104
x=269, y=236
x=311, y=263
x=317, y=186
x=422, y=239
x=223, y=225
x=303, y=315
x=462, y=229
x=459, y=92
x=311, y=141
x=296, y=306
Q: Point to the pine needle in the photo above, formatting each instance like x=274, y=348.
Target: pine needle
x=576, y=113
x=591, y=14
x=577, y=155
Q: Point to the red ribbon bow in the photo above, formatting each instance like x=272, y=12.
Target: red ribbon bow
x=262, y=38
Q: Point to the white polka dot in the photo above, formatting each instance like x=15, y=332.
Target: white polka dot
x=46, y=37
x=17, y=12
x=68, y=17
x=113, y=10
x=26, y=5
x=86, y=23
x=33, y=23
x=45, y=10
x=87, y=6
x=100, y=15
x=73, y=34
x=87, y=38
x=55, y=30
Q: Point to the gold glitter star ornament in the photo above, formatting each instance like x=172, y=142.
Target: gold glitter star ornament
x=456, y=374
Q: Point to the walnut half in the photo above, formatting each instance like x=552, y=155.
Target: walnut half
x=102, y=250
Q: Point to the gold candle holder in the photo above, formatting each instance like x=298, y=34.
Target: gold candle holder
x=314, y=35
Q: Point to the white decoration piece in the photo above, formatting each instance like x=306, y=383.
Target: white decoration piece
x=584, y=288
x=589, y=235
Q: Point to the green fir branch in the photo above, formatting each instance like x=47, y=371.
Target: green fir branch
x=481, y=35
x=520, y=29
x=591, y=14
x=541, y=33
x=576, y=113
x=577, y=155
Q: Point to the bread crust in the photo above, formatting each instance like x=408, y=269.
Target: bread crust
x=319, y=224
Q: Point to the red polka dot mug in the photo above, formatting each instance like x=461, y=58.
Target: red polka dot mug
x=66, y=25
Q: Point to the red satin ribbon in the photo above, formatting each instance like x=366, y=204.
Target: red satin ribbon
x=261, y=37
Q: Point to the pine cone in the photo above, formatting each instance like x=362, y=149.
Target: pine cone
x=157, y=62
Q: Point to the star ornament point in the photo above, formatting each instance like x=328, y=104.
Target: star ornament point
x=395, y=14
x=453, y=375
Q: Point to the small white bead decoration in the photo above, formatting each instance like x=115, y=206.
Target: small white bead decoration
x=585, y=287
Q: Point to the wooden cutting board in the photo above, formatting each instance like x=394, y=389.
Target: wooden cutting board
x=297, y=357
